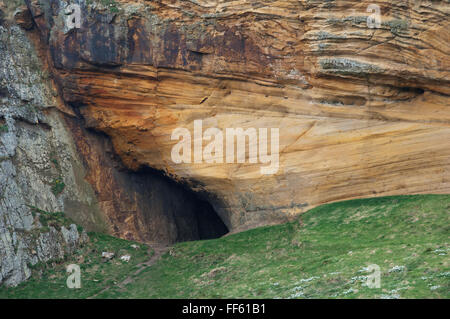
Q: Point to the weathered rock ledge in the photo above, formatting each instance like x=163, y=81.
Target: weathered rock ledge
x=362, y=112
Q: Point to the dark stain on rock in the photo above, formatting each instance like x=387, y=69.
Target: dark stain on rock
x=4, y=92
x=102, y=44
x=140, y=49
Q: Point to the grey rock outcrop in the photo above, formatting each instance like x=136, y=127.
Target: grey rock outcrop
x=39, y=167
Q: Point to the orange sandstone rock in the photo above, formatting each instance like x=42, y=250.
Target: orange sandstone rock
x=361, y=111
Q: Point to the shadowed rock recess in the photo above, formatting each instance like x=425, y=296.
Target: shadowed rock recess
x=362, y=111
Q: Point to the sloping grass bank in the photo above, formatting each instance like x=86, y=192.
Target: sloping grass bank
x=96, y=273
x=324, y=254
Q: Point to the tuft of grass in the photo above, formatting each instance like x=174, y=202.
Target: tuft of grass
x=58, y=186
x=3, y=128
x=53, y=219
x=110, y=4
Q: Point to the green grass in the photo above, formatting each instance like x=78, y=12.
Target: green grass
x=49, y=279
x=111, y=4
x=3, y=128
x=321, y=255
x=58, y=186
x=53, y=219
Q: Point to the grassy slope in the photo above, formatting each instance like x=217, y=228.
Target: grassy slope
x=321, y=256
x=49, y=280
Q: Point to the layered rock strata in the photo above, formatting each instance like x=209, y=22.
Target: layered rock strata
x=362, y=111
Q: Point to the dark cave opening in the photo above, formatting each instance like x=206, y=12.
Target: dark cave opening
x=183, y=213
x=210, y=225
x=144, y=205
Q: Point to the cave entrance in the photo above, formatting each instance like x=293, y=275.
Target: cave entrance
x=189, y=217
x=170, y=212
x=209, y=224
x=144, y=205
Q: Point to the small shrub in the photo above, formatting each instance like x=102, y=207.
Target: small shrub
x=58, y=186
x=47, y=219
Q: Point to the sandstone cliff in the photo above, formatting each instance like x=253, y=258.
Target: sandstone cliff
x=362, y=111
x=86, y=114
x=49, y=165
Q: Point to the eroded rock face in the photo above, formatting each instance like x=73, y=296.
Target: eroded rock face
x=36, y=154
x=50, y=164
x=362, y=111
